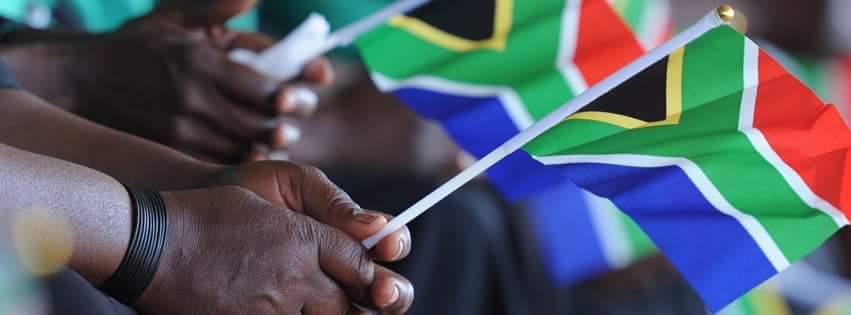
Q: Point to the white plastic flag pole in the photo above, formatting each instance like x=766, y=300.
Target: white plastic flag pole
x=346, y=35
x=723, y=15
x=310, y=40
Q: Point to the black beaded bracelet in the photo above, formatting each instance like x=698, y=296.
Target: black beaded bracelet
x=147, y=241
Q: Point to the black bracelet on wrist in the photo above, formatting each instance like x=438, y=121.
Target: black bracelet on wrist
x=147, y=241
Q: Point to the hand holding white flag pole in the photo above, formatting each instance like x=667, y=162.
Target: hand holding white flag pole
x=723, y=15
x=310, y=40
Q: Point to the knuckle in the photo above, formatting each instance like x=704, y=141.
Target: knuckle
x=181, y=130
x=358, y=262
x=193, y=101
x=305, y=232
x=312, y=173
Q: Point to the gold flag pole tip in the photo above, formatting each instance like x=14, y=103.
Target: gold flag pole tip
x=726, y=13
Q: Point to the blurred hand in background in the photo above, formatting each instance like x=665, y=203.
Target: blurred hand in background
x=166, y=76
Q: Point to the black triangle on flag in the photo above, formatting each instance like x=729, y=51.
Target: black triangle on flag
x=460, y=25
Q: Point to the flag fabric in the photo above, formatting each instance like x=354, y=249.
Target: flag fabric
x=829, y=78
x=582, y=236
x=608, y=239
x=731, y=165
x=487, y=69
x=483, y=92
x=650, y=20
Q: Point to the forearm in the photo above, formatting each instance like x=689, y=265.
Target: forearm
x=94, y=207
x=33, y=125
x=44, y=69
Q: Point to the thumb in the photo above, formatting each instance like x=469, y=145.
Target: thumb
x=204, y=13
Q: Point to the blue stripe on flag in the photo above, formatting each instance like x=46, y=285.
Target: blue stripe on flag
x=678, y=224
x=479, y=125
x=571, y=248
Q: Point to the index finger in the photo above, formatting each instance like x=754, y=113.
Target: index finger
x=324, y=201
x=245, y=86
x=344, y=259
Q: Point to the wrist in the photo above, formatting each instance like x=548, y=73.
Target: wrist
x=199, y=174
x=144, y=252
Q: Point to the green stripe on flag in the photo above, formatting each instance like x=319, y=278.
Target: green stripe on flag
x=708, y=136
x=632, y=11
x=527, y=65
x=815, y=74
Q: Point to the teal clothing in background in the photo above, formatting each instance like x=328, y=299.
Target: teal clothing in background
x=105, y=15
x=279, y=17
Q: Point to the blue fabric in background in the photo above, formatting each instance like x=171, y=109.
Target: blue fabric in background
x=7, y=79
x=570, y=247
x=479, y=125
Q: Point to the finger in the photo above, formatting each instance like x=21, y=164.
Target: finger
x=318, y=72
x=198, y=136
x=252, y=41
x=393, y=247
x=297, y=100
x=245, y=86
x=283, y=136
x=390, y=292
x=228, y=117
x=344, y=259
x=279, y=155
x=327, y=298
x=317, y=197
x=203, y=13
x=258, y=152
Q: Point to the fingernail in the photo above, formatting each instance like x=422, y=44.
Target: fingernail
x=366, y=218
x=288, y=102
x=401, y=249
x=394, y=296
x=279, y=155
x=305, y=97
x=292, y=134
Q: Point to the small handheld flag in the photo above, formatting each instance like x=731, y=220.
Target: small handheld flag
x=710, y=21
x=734, y=168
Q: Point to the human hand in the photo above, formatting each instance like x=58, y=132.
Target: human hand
x=307, y=190
x=229, y=251
x=167, y=77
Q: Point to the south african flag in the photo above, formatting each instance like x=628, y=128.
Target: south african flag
x=487, y=69
x=731, y=165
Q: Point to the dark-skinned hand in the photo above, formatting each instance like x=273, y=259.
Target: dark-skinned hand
x=307, y=190
x=230, y=251
x=167, y=77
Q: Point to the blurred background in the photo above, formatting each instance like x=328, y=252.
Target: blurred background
x=477, y=253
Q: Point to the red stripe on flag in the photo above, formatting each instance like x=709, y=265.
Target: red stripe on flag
x=604, y=43
x=808, y=135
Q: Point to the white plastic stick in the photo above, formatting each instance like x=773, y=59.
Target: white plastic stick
x=347, y=34
x=710, y=21
x=310, y=40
